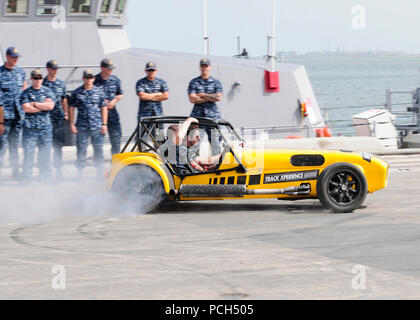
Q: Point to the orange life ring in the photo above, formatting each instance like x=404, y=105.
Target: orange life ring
x=323, y=132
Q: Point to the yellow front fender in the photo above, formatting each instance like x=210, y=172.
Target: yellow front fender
x=123, y=160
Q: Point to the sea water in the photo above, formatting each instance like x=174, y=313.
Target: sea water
x=345, y=86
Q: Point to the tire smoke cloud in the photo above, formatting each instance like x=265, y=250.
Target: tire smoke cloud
x=38, y=203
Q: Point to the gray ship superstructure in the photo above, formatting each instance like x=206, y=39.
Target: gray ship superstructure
x=79, y=33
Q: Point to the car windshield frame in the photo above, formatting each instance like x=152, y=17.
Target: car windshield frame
x=147, y=126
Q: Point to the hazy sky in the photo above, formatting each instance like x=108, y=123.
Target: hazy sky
x=302, y=25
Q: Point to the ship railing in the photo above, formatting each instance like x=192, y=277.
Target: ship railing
x=405, y=118
x=414, y=109
x=306, y=131
x=272, y=132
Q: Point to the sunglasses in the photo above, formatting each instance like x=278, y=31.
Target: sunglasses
x=89, y=77
x=37, y=78
x=150, y=70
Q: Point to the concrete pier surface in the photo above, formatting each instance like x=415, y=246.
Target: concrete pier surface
x=72, y=241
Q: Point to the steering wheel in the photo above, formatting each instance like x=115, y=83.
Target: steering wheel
x=225, y=149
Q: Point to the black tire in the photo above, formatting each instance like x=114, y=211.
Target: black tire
x=140, y=188
x=342, y=187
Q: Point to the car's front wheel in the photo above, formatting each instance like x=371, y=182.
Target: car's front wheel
x=140, y=188
x=342, y=187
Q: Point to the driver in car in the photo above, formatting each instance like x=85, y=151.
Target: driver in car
x=182, y=149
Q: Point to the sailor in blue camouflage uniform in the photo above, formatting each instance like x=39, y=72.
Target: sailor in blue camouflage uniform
x=2, y=130
x=59, y=114
x=111, y=85
x=12, y=83
x=204, y=91
x=151, y=91
x=92, y=121
x=37, y=102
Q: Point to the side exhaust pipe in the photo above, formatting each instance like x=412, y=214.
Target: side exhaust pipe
x=292, y=191
x=234, y=191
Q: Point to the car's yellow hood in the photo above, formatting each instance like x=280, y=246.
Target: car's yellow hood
x=272, y=158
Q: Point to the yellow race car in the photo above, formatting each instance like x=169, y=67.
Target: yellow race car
x=156, y=165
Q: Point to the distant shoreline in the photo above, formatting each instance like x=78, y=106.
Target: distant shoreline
x=350, y=54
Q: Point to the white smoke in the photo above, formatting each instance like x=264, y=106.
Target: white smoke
x=87, y=198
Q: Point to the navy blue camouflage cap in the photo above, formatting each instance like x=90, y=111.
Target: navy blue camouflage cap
x=151, y=66
x=204, y=62
x=107, y=63
x=13, y=52
x=36, y=73
x=52, y=64
x=88, y=73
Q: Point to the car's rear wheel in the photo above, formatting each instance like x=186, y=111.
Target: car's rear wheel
x=140, y=188
x=342, y=187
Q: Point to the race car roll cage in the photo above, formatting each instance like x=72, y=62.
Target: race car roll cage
x=147, y=127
